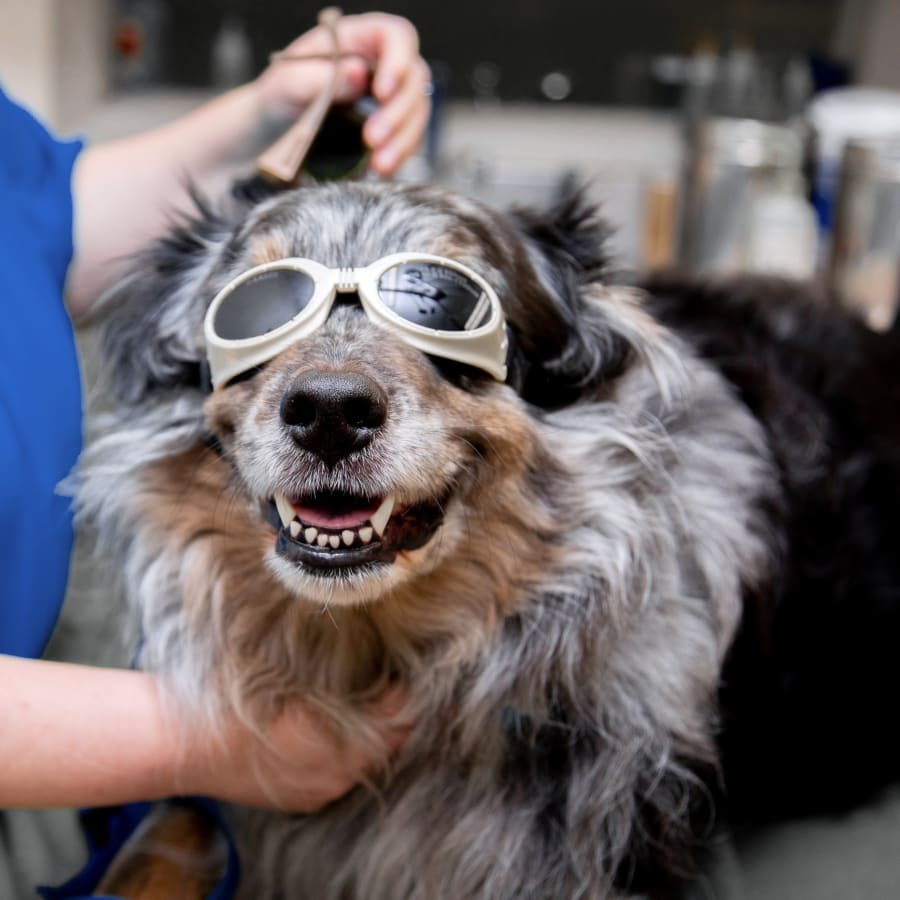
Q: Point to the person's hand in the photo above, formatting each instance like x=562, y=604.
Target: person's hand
x=298, y=765
x=399, y=81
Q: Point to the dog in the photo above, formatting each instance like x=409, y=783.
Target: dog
x=636, y=563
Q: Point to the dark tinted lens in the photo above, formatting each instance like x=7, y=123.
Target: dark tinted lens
x=434, y=296
x=263, y=303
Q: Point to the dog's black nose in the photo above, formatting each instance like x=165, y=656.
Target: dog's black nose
x=332, y=414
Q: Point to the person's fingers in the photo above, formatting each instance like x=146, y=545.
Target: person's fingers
x=399, y=53
x=402, y=143
x=391, y=709
x=411, y=99
x=390, y=42
x=380, y=54
x=302, y=765
x=354, y=79
x=401, y=146
x=392, y=702
x=298, y=762
x=290, y=85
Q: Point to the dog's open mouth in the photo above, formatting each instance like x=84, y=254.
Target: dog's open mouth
x=336, y=530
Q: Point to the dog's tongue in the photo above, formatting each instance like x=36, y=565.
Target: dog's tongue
x=325, y=517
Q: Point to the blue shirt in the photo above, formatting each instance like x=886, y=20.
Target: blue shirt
x=40, y=386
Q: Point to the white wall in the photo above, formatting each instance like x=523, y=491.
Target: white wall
x=54, y=55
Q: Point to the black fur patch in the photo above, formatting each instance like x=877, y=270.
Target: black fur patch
x=810, y=679
x=560, y=359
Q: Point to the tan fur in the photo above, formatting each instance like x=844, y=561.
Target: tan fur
x=267, y=247
x=176, y=854
x=280, y=645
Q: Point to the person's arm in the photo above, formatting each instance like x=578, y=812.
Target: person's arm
x=127, y=190
x=75, y=735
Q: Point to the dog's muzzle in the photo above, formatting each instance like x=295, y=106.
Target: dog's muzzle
x=333, y=415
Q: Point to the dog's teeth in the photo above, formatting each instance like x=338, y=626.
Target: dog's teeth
x=295, y=528
x=365, y=534
x=322, y=540
x=334, y=540
x=348, y=537
x=380, y=519
x=285, y=509
x=310, y=534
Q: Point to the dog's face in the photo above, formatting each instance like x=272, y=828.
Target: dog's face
x=360, y=453
x=366, y=462
x=359, y=463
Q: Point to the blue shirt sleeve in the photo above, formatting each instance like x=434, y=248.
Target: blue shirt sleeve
x=40, y=386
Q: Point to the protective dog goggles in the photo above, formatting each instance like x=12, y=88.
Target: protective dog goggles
x=434, y=304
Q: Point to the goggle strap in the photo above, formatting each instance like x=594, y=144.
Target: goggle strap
x=206, y=379
x=478, y=312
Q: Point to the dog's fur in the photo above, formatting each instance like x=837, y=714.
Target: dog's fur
x=661, y=466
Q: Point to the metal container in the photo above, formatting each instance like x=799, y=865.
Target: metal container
x=731, y=166
x=864, y=265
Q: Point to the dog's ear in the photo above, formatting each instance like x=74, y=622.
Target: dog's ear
x=151, y=322
x=563, y=344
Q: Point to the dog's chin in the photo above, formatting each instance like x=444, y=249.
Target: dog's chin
x=349, y=586
x=351, y=552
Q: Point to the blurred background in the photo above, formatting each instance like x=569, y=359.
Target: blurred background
x=720, y=135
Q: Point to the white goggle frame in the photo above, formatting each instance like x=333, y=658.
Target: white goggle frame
x=484, y=347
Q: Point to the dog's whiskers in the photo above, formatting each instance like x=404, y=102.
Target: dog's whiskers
x=326, y=611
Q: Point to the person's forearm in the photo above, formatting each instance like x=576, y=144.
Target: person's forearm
x=81, y=736
x=74, y=735
x=126, y=191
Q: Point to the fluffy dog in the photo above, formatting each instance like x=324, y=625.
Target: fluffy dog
x=676, y=513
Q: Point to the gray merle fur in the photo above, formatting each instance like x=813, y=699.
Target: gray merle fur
x=711, y=474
